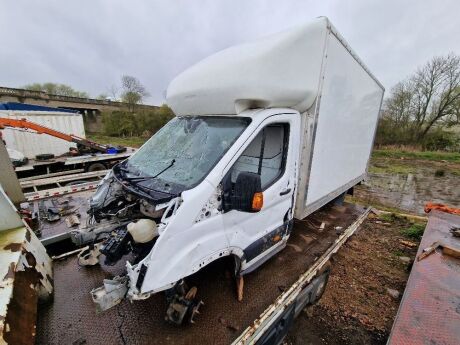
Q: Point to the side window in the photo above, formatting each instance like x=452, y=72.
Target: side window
x=265, y=155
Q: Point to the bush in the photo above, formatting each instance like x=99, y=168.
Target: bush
x=142, y=123
x=415, y=231
x=392, y=134
x=440, y=140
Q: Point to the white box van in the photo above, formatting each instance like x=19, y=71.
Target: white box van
x=264, y=132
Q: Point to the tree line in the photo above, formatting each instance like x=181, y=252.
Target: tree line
x=142, y=123
x=424, y=109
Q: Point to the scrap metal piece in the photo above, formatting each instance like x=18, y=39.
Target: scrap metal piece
x=89, y=256
x=455, y=232
x=72, y=221
x=110, y=294
x=239, y=288
x=446, y=250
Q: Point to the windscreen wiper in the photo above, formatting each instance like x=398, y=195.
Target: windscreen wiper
x=143, y=178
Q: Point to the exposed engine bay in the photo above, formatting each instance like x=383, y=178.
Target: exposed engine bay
x=126, y=219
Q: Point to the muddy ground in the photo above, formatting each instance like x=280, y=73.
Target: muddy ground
x=408, y=184
x=357, y=307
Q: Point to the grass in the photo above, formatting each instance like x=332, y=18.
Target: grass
x=415, y=231
x=373, y=203
x=388, y=217
x=453, y=157
x=391, y=168
x=123, y=141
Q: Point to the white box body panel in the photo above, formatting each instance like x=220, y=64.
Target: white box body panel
x=278, y=71
x=341, y=129
x=32, y=144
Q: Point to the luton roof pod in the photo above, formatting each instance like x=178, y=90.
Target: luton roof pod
x=283, y=70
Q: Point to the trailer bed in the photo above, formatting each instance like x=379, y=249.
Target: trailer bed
x=429, y=312
x=71, y=317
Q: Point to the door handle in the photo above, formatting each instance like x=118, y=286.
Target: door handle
x=284, y=192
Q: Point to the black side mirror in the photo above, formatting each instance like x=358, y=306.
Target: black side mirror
x=247, y=194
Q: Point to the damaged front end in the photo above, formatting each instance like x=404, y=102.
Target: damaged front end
x=124, y=223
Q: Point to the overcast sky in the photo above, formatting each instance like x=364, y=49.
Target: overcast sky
x=89, y=44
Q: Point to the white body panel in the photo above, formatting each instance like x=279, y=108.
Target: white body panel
x=31, y=144
x=342, y=129
x=282, y=70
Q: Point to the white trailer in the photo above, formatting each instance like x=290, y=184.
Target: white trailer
x=36, y=154
x=32, y=144
x=265, y=132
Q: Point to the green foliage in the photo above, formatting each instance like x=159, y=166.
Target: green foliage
x=388, y=217
x=123, y=141
x=56, y=89
x=453, y=157
x=391, y=169
x=415, y=231
x=441, y=140
x=141, y=124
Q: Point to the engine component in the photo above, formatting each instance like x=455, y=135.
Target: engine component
x=116, y=246
x=143, y=231
x=90, y=255
x=149, y=210
x=108, y=192
x=182, y=306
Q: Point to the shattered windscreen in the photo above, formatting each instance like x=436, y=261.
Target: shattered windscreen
x=185, y=150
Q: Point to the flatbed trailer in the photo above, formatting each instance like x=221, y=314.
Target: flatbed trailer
x=57, y=166
x=429, y=312
x=273, y=295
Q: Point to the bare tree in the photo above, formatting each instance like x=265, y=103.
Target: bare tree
x=133, y=91
x=429, y=98
x=113, y=92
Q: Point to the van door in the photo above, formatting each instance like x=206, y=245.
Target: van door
x=272, y=153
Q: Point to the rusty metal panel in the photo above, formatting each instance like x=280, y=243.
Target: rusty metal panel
x=430, y=309
x=26, y=275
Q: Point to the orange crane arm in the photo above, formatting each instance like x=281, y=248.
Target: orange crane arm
x=23, y=123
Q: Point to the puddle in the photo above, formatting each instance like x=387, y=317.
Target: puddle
x=410, y=192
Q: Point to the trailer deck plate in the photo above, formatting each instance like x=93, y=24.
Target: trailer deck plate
x=71, y=318
x=430, y=308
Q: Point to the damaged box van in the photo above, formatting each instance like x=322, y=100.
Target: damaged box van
x=264, y=132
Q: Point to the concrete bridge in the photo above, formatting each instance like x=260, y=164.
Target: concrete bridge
x=86, y=106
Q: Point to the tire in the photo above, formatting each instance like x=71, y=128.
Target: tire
x=96, y=167
x=322, y=285
x=44, y=156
